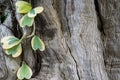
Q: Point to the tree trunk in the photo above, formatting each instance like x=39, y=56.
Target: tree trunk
x=81, y=38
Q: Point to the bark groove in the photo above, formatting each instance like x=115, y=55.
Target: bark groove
x=81, y=38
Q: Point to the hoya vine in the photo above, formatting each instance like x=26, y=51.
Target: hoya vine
x=12, y=45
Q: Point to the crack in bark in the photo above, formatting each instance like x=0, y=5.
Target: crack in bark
x=68, y=29
x=38, y=63
x=67, y=18
x=59, y=60
x=72, y=6
x=99, y=17
x=74, y=61
x=100, y=25
x=16, y=30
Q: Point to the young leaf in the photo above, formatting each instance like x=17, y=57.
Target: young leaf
x=37, y=43
x=9, y=42
x=23, y=7
x=15, y=51
x=35, y=11
x=24, y=72
x=38, y=9
x=26, y=21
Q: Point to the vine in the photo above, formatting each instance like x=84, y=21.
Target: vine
x=12, y=45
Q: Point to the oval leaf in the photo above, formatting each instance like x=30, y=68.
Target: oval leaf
x=24, y=72
x=37, y=43
x=9, y=41
x=26, y=21
x=35, y=11
x=23, y=7
x=38, y=9
x=15, y=51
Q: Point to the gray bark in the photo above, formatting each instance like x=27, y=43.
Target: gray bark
x=110, y=17
x=81, y=38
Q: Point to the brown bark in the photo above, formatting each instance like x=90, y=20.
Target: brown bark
x=81, y=38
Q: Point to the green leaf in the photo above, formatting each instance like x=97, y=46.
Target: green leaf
x=38, y=9
x=26, y=21
x=9, y=42
x=23, y=7
x=24, y=72
x=32, y=13
x=35, y=11
x=14, y=51
x=37, y=43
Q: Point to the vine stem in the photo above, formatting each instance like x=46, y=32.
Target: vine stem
x=33, y=32
x=23, y=37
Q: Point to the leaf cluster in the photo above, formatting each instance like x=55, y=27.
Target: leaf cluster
x=13, y=46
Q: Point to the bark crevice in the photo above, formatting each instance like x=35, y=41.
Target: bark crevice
x=76, y=64
x=100, y=22
x=72, y=35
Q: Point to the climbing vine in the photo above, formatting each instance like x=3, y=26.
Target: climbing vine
x=12, y=45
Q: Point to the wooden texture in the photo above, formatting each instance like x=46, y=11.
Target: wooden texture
x=81, y=38
x=109, y=13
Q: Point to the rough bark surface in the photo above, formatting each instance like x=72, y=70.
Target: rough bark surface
x=110, y=17
x=81, y=38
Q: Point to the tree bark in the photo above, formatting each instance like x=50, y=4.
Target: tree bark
x=109, y=13
x=81, y=38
